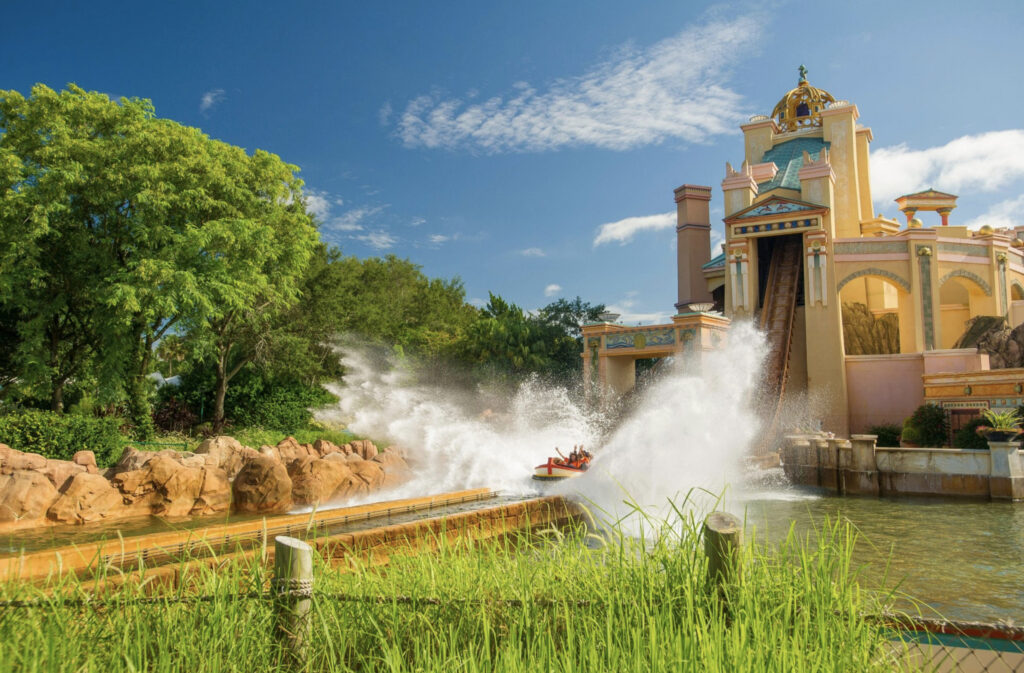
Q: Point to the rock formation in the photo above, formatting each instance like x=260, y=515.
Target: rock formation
x=221, y=474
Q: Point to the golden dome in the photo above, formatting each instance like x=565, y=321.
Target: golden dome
x=985, y=230
x=802, y=106
x=1017, y=243
x=915, y=223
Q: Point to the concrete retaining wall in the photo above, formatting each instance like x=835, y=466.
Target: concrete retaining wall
x=856, y=466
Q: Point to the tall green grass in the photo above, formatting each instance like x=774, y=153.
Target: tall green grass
x=623, y=603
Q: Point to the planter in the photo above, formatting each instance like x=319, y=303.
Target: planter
x=1001, y=435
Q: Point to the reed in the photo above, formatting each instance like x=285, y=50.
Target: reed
x=568, y=600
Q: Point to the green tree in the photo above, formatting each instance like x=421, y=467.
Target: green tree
x=130, y=225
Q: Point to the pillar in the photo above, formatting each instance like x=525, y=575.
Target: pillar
x=693, y=243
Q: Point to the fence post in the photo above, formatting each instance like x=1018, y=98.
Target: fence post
x=293, y=591
x=723, y=537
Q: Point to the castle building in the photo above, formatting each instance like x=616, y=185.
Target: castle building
x=858, y=309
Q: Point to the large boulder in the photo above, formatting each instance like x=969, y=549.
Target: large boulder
x=365, y=448
x=262, y=485
x=60, y=472
x=86, y=459
x=12, y=460
x=396, y=470
x=215, y=495
x=169, y=487
x=324, y=447
x=369, y=475
x=89, y=497
x=316, y=480
x=229, y=453
x=25, y=496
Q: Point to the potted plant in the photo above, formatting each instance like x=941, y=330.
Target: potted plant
x=1003, y=425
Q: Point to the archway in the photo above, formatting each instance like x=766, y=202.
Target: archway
x=961, y=297
x=877, y=315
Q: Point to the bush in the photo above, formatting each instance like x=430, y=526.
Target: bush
x=60, y=436
x=931, y=425
x=888, y=434
x=910, y=433
x=967, y=437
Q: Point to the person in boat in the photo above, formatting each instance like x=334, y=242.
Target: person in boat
x=561, y=460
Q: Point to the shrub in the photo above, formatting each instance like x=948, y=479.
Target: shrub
x=910, y=433
x=888, y=434
x=967, y=437
x=931, y=424
x=60, y=436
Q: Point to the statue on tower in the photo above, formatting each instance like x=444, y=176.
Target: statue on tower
x=803, y=73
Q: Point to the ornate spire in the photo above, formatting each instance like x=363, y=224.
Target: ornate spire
x=801, y=107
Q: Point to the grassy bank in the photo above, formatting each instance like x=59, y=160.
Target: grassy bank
x=622, y=604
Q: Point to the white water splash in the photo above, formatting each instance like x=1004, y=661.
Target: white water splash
x=687, y=431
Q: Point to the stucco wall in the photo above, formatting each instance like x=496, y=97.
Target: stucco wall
x=883, y=388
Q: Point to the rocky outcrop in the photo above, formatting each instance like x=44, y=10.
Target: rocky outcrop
x=227, y=453
x=88, y=498
x=262, y=486
x=317, y=480
x=222, y=474
x=990, y=334
x=25, y=495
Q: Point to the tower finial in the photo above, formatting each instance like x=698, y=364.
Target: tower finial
x=803, y=73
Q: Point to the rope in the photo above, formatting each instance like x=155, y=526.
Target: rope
x=292, y=587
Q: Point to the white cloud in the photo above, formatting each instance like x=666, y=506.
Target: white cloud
x=317, y=203
x=352, y=220
x=381, y=240
x=439, y=238
x=624, y=230
x=417, y=221
x=552, y=289
x=1003, y=214
x=532, y=252
x=671, y=89
x=625, y=307
x=211, y=99
x=983, y=162
x=384, y=114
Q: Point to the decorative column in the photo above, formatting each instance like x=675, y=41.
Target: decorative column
x=817, y=271
x=944, y=213
x=739, y=264
x=910, y=212
x=924, y=260
x=1001, y=260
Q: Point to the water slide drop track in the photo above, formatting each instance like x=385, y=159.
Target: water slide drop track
x=777, y=323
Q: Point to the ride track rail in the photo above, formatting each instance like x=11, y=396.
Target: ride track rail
x=206, y=542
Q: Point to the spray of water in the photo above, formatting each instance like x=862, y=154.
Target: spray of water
x=688, y=430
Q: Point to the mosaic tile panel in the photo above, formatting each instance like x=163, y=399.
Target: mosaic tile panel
x=888, y=275
x=775, y=226
x=960, y=273
x=964, y=249
x=870, y=247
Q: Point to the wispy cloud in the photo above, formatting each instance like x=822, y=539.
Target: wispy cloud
x=627, y=309
x=417, y=221
x=674, y=88
x=352, y=220
x=1003, y=214
x=211, y=99
x=317, y=203
x=384, y=114
x=552, y=289
x=381, y=240
x=439, y=238
x=532, y=252
x=623, y=231
x=983, y=162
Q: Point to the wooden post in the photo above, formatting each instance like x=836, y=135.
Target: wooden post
x=723, y=537
x=293, y=591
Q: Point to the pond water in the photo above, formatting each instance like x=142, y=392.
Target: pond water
x=963, y=559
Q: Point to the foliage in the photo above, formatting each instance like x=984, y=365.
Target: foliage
x=1007, y=419
x=967, y=437
x=60, y=436
x=257, y=437
x=930, y=424
x=888, y=434
x=910, y=433
x=625, y=604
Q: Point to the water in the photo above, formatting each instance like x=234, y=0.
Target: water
x=962, y=559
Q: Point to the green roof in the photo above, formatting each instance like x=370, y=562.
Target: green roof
x=715, y=261
x=789, y=157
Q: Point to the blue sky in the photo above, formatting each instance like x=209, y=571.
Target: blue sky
x=532, y=148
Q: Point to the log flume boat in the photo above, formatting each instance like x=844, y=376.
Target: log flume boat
x=557, y=469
